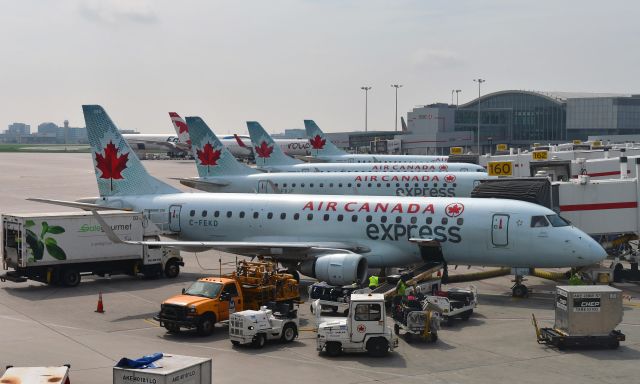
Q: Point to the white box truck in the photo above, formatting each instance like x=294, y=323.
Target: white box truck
x=56, y=248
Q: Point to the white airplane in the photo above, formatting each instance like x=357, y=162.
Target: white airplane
x=322, y=149
x=333, y=238
x=269, y=158
x=179, y=143
x=292, y=147
x=151, y=142
x=219, y=171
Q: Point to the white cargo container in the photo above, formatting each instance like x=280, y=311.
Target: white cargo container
x=174, y=369
x=36, y=375
x=56, y=248
x=588, y=310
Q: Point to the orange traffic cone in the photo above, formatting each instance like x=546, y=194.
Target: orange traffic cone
x=100, y=308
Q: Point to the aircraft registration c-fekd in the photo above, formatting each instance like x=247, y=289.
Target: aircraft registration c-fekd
x=335, y=238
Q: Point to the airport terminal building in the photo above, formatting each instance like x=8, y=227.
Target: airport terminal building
x=513, y=117
x=520, y=118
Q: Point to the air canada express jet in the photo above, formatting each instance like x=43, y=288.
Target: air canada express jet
x=219, y=171
x=322, y=149
x=334, y=238
x=270, y=158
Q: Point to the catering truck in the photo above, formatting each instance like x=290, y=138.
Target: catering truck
x=57, y=248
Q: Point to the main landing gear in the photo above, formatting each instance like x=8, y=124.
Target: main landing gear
x=519, y=290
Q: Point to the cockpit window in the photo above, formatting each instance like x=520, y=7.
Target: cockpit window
x=539, y=221
x=557, y=221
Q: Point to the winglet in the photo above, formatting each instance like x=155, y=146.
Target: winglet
x=404, y=124
x=107, y=229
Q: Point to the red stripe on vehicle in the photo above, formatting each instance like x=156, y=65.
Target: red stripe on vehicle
x=596, y=207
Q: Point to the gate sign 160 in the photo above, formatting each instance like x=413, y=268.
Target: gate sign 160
x=500, y=168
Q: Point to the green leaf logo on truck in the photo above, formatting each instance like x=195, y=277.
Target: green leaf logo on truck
x=39, y=243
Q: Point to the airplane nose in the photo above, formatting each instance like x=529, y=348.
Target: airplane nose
x=593, y=251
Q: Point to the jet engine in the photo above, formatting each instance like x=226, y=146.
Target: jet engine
x=337, y=269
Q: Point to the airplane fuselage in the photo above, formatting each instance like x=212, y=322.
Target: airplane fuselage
x=485, y=232
x=375, y=158
x=431, y=184
x=372, y=167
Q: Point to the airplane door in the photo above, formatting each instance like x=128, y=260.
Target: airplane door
x=174, y=218
x=262, y=186
x=500, y=230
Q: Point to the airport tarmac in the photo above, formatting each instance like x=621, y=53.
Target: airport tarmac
x=44, y=325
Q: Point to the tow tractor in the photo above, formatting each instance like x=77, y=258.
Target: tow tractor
x=410, y=317
x=364, y=329
x=331, y=297
x=256, y=327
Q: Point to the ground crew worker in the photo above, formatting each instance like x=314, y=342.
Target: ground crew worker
x=401, y=288
x=373, y=282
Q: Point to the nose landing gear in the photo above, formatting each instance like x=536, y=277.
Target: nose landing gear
x=519, y=290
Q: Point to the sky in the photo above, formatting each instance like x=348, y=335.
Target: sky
x=282, y=61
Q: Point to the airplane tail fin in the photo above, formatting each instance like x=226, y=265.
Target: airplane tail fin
x=320, y=143
x=267, y=151
x=118, y=170
x=181, y=127
x=404, y=124
x=240, y=142
x=212, y=157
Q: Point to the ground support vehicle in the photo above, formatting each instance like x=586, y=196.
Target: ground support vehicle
x=409, y=316
x=212, y=299
x=257, y=327
x=331, y=297
x=586, y=316
x=454, y=303
x=364, y=329
x=57, y=248
x=36, y=375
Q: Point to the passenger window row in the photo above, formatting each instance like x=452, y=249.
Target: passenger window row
x=339, y=217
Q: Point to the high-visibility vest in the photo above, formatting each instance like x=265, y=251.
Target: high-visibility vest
x=373, y=281
x=401, y=288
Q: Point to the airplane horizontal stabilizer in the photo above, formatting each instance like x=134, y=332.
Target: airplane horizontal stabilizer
x=75, y=204
x=203, y=184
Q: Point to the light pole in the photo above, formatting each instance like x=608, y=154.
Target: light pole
x=396, y=86
x=366, y=102
x=457, y=91
x=452, y=92
x=479, y=81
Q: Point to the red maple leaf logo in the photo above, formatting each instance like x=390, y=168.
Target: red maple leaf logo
x=264, y=150
x=182, y=127
x=450, y=178
x=208, y=156
x=443, y=167
x=111, y=165
x=454, y=209
x=317, y=142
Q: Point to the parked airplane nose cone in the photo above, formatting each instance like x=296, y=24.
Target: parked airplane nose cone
x=591, y=250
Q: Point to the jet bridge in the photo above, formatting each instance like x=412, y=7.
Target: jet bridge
x=606, y=209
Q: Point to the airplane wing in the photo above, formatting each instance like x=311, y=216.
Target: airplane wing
x=284, y=250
